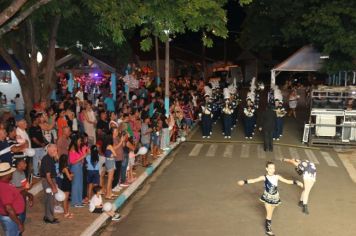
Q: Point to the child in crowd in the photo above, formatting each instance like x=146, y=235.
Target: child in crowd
x=130, y=173
x=96, y=204
x=66, y=183
x=18, y=177
x=93, y=176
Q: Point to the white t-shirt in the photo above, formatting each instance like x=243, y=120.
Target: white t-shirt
x=23, y=134
x=18, y=104
x=95, y=201
x=80, y=95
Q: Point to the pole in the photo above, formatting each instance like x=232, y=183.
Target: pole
x=166, y=75
x=157, y=58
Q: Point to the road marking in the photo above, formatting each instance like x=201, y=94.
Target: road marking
x=245, y=151
x=328, y=159
x=311, y=156
x=228, y=151
x=196, y=149
x=260, y=152
x=212, y=150
x=294, y=153
x=348, y=165
x=279, y=154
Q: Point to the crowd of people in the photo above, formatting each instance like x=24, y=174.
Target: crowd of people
x=81, y=141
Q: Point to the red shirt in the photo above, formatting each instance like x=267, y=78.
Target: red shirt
x=9, y=195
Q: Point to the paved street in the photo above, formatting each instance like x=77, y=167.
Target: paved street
x=197, y=194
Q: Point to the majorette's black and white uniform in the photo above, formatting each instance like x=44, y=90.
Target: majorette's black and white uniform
x=271, y=194
x=306, y=169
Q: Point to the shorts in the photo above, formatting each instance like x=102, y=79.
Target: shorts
x=131, y=161
x=93, y=177
x=110, y=164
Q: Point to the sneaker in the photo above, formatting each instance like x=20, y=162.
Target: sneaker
x=208, y=137
x=117, y=188
x=250, y=137
x=228, y=136
x=277, y=139
x=204, y=136
x=58, y=209
x=211, y=133
x=225, y=136
x=274, y=139
x=78, y=205
x=246, y=137
x=116, y=217
x=124, y=185
x=280, y=135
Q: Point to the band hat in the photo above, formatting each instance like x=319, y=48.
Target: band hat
x=6, y=169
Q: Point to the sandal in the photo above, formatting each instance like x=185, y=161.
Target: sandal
x=110, y=198
x=68, y=215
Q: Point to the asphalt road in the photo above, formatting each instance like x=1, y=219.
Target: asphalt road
x=195, y=193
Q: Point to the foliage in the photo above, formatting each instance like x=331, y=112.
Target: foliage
x=162, y=18
x=329, y=25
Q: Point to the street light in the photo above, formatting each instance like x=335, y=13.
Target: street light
x=166, y=74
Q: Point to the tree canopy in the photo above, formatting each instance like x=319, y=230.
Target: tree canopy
x=329, y=25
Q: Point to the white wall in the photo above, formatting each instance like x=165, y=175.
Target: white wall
x=10, y=90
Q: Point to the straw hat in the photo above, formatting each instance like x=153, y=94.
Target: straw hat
x=6, y=169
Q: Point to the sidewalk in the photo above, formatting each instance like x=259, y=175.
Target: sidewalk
x=84, y=222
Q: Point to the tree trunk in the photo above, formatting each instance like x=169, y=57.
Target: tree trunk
x=21, y=17
x=166, y=81
x=11, y=10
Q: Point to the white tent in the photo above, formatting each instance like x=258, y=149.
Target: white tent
x=305, y=59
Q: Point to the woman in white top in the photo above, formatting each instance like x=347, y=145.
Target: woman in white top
x=270, y=196
x=90, y=123
x=293, y=101
x=306, y=169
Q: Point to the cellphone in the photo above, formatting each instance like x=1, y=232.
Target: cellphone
x=30, y=179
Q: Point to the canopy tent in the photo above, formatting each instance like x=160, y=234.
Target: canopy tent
x=305, y=59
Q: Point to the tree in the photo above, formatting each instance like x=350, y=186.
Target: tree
x=38, y=33
x=329, y=25
x=8, y=22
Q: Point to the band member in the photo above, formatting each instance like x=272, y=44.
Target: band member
x=227, y=118
x=206, y=116
x=249, y=120
x=308, y=170
x=280, y=113
x=270, y=196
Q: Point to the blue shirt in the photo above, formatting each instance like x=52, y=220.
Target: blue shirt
x=90, y=165
x=110, y=104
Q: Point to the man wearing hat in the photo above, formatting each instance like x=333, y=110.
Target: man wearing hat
x=12, y=203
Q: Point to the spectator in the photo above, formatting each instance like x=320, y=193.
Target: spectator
x=19, y=106
x=38, y=144
x=90, y=123
x=109, y=165
x=76, y=156
x=92, y=163
x=61, y=121
x=145, y=138
x=109, y=103
x=48, y=175
x=64, y=141
x=12, y=207
x=66, y=183
x=96, y=204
